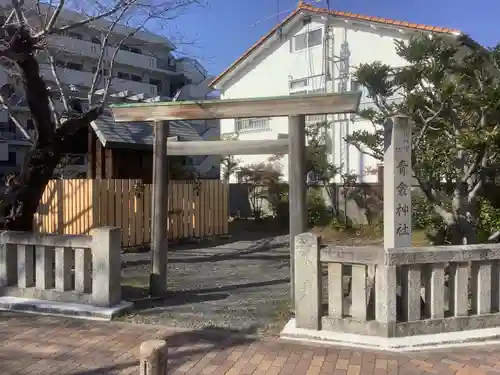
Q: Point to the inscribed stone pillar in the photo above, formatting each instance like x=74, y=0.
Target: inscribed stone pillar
x=397, y=183
x=397, y=211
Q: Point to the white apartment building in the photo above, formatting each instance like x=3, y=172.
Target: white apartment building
x=145, y=67
x=315, y=50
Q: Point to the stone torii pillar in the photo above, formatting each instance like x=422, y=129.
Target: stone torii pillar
x=297, y=189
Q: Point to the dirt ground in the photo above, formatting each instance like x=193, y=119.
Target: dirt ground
x=240, y=282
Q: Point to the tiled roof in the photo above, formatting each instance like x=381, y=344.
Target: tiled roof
x=346, y=15
x=138, y=135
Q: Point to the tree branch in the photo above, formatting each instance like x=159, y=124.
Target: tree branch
x=16, y=7
x=83, y=22
x=15, y=120
x=48, y=27
x=73, y=124
x=431, y=196
x=97, y=75
x=57, y=79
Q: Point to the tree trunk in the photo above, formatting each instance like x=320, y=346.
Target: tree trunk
x=463, y=230
x=24, y=192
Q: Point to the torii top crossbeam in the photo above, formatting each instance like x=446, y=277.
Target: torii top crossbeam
x=312, y=104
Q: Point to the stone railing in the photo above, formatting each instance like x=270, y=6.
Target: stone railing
x=75, y=269
x=396, y=292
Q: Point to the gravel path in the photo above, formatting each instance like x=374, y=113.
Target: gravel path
x=243, y=285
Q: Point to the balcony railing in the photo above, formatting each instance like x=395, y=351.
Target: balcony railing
x=11, y=136
x=84, y=79
x=87, y=48
x=165, y=64
x=252, y=125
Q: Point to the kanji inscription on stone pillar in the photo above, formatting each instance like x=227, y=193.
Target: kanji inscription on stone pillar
x=397, y=182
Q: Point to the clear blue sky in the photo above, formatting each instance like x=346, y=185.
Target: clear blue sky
x=227, y=28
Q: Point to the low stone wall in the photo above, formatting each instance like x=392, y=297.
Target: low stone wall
x=396, y=292
x=75, y=269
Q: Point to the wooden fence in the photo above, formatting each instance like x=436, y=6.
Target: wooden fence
x=196, y=210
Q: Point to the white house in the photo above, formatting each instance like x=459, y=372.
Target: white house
x=315, y=50
x=145, y=67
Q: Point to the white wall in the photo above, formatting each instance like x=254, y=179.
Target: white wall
x=271, y=70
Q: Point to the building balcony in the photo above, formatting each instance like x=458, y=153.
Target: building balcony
x=84, y=79
x=16, y=138
x=86, y=48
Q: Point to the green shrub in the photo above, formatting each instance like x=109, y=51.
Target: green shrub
x=489, y=219
x=318, y=213
x=424, y=217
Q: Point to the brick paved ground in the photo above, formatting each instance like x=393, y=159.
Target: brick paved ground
x=41, y=345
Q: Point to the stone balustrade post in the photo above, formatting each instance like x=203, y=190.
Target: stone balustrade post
x=8, y=261
x=307, y=279
x=106, y=266
x=153, y=357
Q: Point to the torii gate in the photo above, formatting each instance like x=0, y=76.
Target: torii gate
x=294, y=107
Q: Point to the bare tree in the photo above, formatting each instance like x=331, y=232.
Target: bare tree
x=29, y=39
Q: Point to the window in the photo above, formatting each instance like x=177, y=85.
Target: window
x=300, y=42
x=104, y=72
x=74, y=66
x=137, y=50
x=122, y=75
x=356, y=86
x=166, y=64
x=156, y=82
x=11, y=126
x=314, y=38
x=96, y=40
x=135, y=78
x=75, y=36
x=298, y=83
x=3, y=125
x=60, y=63
x=11, y=162
x=307, y=40
x=252, y=125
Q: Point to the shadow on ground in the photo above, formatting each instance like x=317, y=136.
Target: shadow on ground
x=239, y=230
x=79, y=347
x=143, y=302
x=185, y=350
x=235, y=286
x=215, y=253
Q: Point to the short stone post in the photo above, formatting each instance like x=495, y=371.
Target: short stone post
x=153, y=357
x=106, y=266
x=307, y=277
